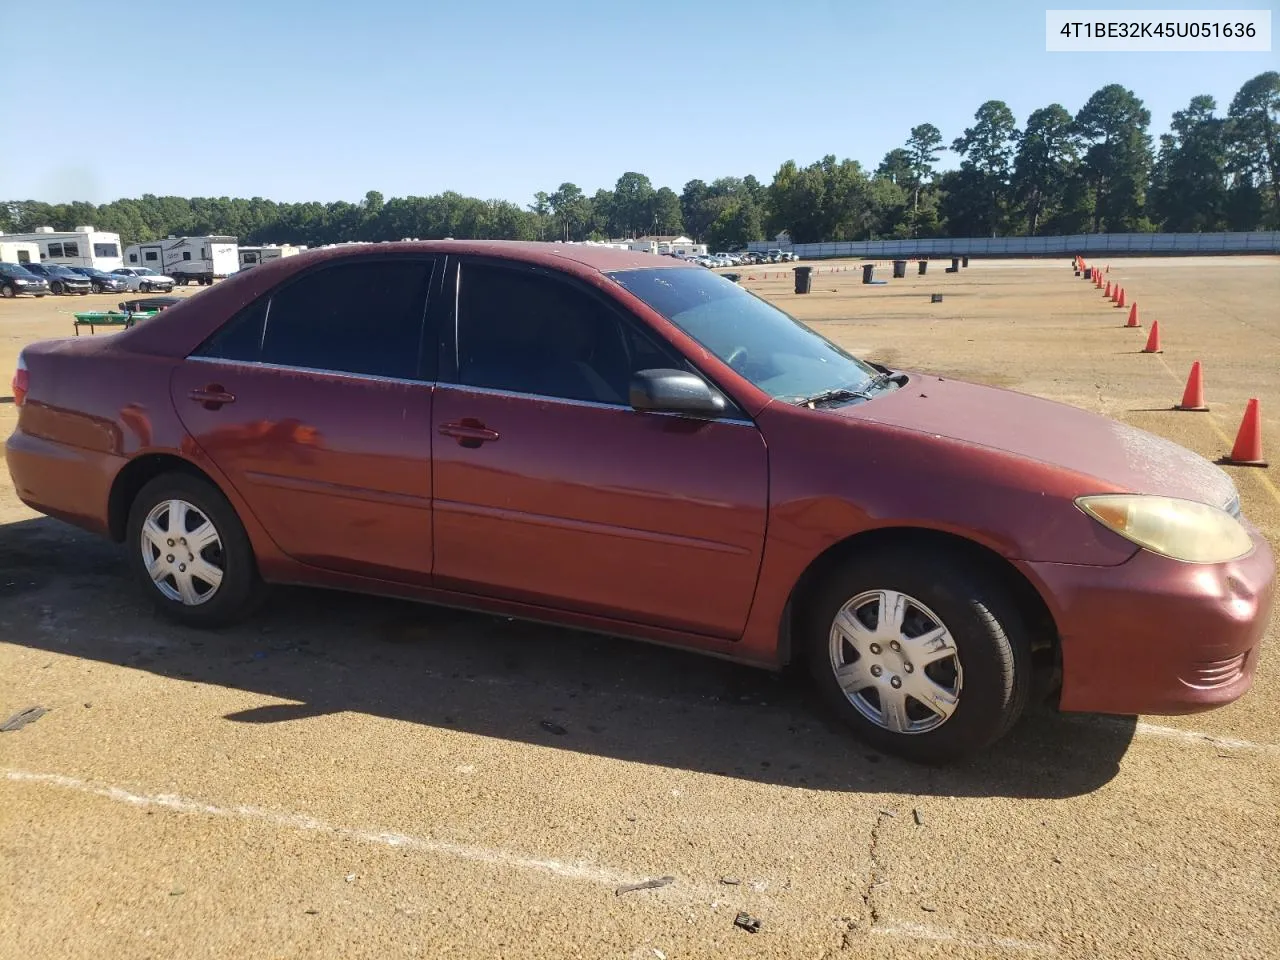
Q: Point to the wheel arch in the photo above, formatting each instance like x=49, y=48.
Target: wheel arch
x=1039, y=620
x=136, y=474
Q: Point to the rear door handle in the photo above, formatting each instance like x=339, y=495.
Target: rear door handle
x=469, y=432
x=212, y=397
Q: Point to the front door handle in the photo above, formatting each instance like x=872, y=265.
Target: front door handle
x=212, y=397
x=469, y=432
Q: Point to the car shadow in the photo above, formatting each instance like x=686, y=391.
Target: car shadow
x=67, y=592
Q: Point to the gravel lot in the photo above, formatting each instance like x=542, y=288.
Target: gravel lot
x=350, y=777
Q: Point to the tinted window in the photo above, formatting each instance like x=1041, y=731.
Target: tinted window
x=186, y=254
x=354, y=318
x=240, y=338
x=55, y=250
x=70, y=249
x=529, y=333
x=149, y=255
x=106, y=250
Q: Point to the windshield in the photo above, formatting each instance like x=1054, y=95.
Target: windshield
x=60, y=271
x=145, y=272
x=17, y=271
x=776, y=352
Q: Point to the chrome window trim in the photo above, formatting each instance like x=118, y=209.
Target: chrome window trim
x=345, y=374
x=543, y=398
x=491, y=391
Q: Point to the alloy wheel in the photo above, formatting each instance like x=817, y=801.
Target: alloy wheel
x=182, y=551
x=896, y=661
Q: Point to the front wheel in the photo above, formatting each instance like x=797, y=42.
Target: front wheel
x=8, y=292
x=920, y=651
x=55, y=288
x=191, y=553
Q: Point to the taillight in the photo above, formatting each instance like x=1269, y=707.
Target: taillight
x=21, y=381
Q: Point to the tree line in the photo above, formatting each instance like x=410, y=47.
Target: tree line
x=1095, y=171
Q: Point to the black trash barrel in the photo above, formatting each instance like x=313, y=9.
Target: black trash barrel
x=868, y=269
x=955, y=264
x=899, y=269
x=923, y=267
x=804, y=279
x=1088, y=273
x=966, y=262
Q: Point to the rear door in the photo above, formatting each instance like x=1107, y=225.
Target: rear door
x=316, y=401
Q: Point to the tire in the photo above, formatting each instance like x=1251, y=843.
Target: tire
x=7, y=291
x=241, y=589
x=144, y=288
x=55, y=288
x=983, y=674
x=97, y=287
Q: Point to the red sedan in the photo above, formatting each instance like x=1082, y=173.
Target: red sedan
x=623, y=443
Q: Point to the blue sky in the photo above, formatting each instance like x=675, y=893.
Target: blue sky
x=324, y=100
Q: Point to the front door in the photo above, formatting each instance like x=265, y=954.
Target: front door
x=551, y=489
x=316, y=404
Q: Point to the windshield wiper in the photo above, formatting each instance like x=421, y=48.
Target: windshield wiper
x=835, y=395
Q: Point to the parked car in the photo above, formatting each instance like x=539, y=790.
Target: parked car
x=60, y=279
x=102, y=282
x=776, y=256
x=16, y=279
x=145, y=279
x=651, y=452
x=726, y=259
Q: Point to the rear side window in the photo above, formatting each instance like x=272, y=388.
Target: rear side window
x=360, y=318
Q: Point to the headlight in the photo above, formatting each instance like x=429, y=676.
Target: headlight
x=1179, y=529
x=20, y=282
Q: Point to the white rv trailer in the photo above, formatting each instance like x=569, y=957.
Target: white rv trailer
x=81, y=247
x=202, y=259
x=252, y=256
x=18, y=251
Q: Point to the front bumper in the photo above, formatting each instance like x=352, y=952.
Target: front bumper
x=1156, y=636
x=31, y=288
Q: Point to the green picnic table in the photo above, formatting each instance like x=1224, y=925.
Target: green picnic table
x=109, y=318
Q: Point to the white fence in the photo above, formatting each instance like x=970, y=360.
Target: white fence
x=1085, y=244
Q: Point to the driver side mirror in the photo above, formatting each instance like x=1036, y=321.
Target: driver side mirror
x=675, y=391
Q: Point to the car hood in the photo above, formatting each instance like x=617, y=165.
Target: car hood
x=1118, y=455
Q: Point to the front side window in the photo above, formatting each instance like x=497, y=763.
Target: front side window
x=774, y=351
x=359, y=318
x=528, y=333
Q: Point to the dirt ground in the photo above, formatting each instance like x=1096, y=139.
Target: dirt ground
x=350, y=777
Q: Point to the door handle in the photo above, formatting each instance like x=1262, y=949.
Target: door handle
x=212, y=397
x=469, y=432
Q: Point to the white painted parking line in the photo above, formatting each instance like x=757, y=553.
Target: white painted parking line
x=1190, y=738
x=579, y=870
x=910, y=930
x=1206, y=739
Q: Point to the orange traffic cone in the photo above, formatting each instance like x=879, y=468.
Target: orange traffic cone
x=1107, y=292
x=1115, y=293
x=1193, y=395
x=1133, y=317
x=1120, y=302
x=1153, y=341
x=1247, y=451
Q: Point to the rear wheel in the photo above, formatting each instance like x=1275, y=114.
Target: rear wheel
x=190, y=552
x=7, y=291
x=923, y=654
